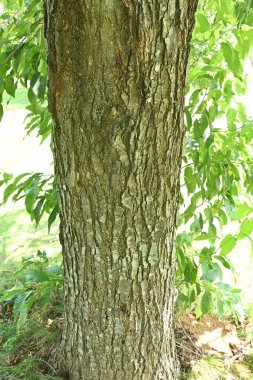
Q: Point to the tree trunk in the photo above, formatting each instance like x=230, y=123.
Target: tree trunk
x=116, y=92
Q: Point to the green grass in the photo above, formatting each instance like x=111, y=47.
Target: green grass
x=215, y=368
x=19, y=237
x=19, y=102
x=23, y=355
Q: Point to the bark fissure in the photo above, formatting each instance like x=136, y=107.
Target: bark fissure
x=116, y=92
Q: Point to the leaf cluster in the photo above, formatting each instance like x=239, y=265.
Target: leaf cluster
x=218, y=161
x=41, y=282
x=217, y=179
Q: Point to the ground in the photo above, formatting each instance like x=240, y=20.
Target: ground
x=209, y=348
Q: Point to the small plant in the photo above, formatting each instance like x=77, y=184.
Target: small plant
x=40, y=283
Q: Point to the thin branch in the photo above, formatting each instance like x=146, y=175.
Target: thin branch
x=188, y=349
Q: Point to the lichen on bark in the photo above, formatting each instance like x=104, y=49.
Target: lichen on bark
x=117, y=73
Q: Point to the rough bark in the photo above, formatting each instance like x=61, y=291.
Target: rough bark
x=117, y=73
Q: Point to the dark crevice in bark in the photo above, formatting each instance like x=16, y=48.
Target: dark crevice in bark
x=116, y=93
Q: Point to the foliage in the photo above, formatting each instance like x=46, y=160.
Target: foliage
x=216, y=368
x=24, y=352
x=23, y=60
x=23, y=63
x=217, y=164
x=24, y=355
x=41, y=282
x=39, y=193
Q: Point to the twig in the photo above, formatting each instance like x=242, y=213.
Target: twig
x=188, y=349
x=49, y=365
x=190, y=339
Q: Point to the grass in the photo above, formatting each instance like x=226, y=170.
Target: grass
x=24, y=354
x=19, y=237
x=216, y=368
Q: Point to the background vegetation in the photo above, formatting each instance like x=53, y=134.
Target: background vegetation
x=216, y=191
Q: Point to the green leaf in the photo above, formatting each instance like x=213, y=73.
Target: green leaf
x=31, y=96
x=22, y=315
x=8, y=191
x=37, y=214
x=223, y=217
x=190, y=180
x=45, y=299
x=181, y=259
x=202, y=23
x=1, y=112
x=29, y=202
x=183, y=301
x=206, y=302
x=227, y=244
x=9, y=85
x=243, y=210
x=209, y=141
x=39, y=275
x=15, y=291
x=232, y=58
x=220, y=308
x=53, y=216
x=192, y=297
x=210, y=275
x=40, y=88
x=204, y=236
x=246, y=229
x=188, y=118
x=34, y=79
x=190, y=272
x=224, y=261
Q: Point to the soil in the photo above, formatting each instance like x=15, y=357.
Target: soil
x=210, y=336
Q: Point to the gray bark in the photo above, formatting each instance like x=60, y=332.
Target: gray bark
x=117, y=72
